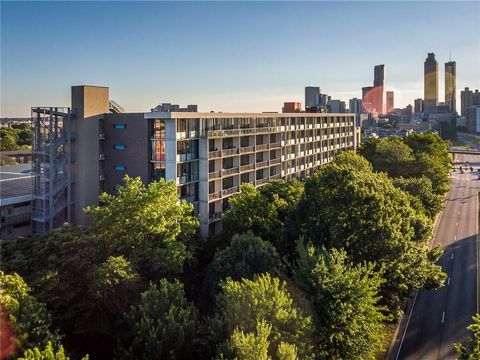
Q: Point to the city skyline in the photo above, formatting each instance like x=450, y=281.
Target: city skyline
x=241, y=68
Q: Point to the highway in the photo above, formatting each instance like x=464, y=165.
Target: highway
x=439, y=317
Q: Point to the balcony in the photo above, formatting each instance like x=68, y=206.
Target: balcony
x=214, y=174
x=275, y=161
x=247, y=149
x=221, y=133
x=101, y=136
x=231, y=171
x=214, y=195
x=246, y=131
x=101, y=177
x=101, y=156
x=189, y=199
x=214, y=154
x=262, y=181
x=229, y=152
x=262, y=164
x=262, y=147
x=185, y=179
x=247, y=167
x=187, y=157
x=276, y=176
x=215, y=216
x=230, y=191
x=275, y=145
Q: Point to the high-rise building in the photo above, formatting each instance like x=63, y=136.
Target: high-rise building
x=312, y=98
x=292, y=107
x=207, y=155
x=472, y=119
x=450, y=86
x=390, y=101
x=419, y=105
x=355, y=106
x=336, y=106
x=467, y=99
x=430, y=90
x=367, y=99
x=379, y=84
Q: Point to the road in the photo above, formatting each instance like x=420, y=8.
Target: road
x=440, y=317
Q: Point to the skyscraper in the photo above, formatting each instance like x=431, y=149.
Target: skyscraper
x=367, y=105
x=379, y=84
x=450, y=86
x=430, y=88
x=418, y=105
x=390, y=101
x=312, y=98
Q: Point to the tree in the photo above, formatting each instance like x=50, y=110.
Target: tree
x=8, y=139
x=471, y=351
x=27, y=317
x=49, y=353
x=164, y=325
x=392, y=156
x=347, y=205
x=263, y=211
x=423, y=197
x=25, y=137
x=242, y=305
x=246, y=256
x=346, y=299
x=148, y=225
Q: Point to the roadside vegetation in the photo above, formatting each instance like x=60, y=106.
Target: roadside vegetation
x=17, y=136
x=313, y=269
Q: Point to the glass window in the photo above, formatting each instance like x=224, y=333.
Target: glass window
x=119, y=126
x=227, y=143
x=244, y=141
x=120, y=168
x=119, y=147
x=158, y=171
x=228, y=163
x=158, y=129
x=158, y=150
x=228, y=182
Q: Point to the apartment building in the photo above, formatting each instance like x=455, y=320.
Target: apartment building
x=208, y=155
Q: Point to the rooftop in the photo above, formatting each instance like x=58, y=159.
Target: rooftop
x=15, y=183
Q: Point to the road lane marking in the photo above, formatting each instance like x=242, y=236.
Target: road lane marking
x=443, y=317
x=406, y=326
x=448, y=282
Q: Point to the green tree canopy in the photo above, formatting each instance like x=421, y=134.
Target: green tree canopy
x=147, y=224
x=471, y=350
x=243, y=305
x=8, y=139
x=29, y=319
x=246, y=256
x=392, y=156
x=49, y=353
x=346, y=299
x=164, y=325
x=352, y=207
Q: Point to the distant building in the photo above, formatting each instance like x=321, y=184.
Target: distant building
x=336, y=106
x=292, y=107
x=167, y=107
x=367, y=99
x=450, y=86
x=467, y=99
x=408, y=110
x=312, y=98
x=355, y=106
x=419, y=105
x=472, y=120
x=390, y=101
x=430, y=89
x=379, y=83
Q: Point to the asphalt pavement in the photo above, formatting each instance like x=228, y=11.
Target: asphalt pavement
x=439, y=317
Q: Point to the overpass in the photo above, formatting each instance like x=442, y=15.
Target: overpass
x=464, y=151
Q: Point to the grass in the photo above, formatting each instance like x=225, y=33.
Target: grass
x=389, y=333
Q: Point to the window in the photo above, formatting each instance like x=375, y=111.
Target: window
x=120, y=168
x=119, y=126
x=119, y=147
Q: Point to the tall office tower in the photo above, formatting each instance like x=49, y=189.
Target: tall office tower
x=336, y=106
x=312, y=98
x=379, y=84
x=450, y=86
x=390, y=101
x=291, y=107
x=367, y=99
x=355, y=106
x=467, y=99
x=418, y=105
x=430, y=89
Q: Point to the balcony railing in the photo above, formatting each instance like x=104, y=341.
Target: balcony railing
x=215, y=174
x=247, y=167
x=231, y=171
x=215, y=195
x=262, y=164
x=262, y=147
x=101, y=156
x=184, y=179
x=275, y=161
x=189, y=199
x=230, y=191
x=276, y=176
x=228, y=152
x=262, y=181
x=275, y=145
x=215, y=154
x=215, y=216
x=187, y=157
x=247, y=149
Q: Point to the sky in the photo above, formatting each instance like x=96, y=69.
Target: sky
x=229, y=56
